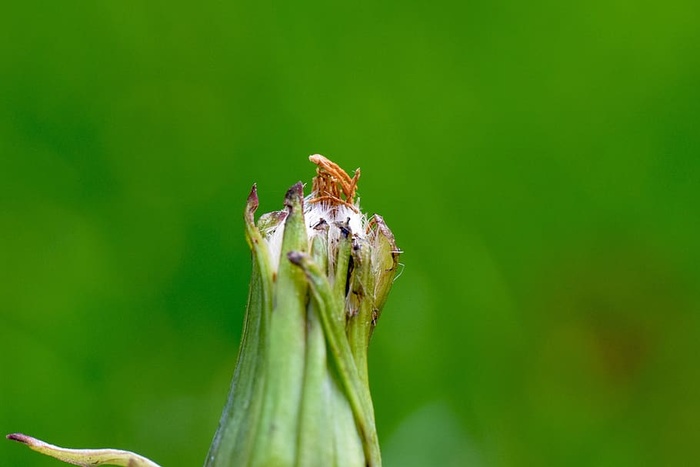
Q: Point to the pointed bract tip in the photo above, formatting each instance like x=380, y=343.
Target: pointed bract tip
x=295, y=194
x=321, y=225
x=253, y=198
x=344, y=227
x=296, y=257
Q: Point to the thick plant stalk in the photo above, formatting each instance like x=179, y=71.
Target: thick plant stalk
x=300, y=391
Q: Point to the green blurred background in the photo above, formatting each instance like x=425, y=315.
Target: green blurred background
x=539, y=164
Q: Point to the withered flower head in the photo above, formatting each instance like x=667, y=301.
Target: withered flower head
x=321, y=273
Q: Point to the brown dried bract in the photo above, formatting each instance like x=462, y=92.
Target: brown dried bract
x=333, y=184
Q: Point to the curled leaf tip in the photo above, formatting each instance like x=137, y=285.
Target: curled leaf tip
x=18, y=437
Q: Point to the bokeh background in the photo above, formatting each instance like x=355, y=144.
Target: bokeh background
x=538, y=162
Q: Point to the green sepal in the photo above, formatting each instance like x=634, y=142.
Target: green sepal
x=234, y=440
x=385, y=261
x=357, y=393
x=342, y=266
x=359, y=304
x=285, y=341
x=316, y=447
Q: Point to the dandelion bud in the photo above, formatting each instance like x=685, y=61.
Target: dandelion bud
x=321, y=274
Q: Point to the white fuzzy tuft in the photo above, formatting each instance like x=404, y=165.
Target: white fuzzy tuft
x=273, y=238
x=313, y=213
